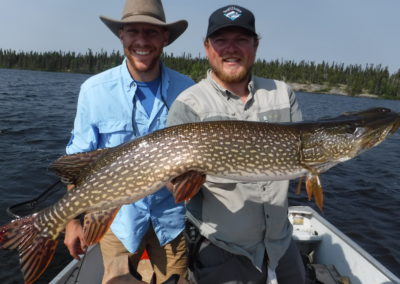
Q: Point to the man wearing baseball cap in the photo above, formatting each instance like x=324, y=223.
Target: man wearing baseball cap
x=121, y=104
x=238, y=232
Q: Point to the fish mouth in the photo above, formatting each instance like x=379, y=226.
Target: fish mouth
x=373, y=126
x=341, y=138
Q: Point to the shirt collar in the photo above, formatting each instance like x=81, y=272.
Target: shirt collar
x=164, y=81
x=225, y=92
x=130, y=83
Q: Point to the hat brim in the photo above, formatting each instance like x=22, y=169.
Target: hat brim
x=175, y=28
x=228, y=25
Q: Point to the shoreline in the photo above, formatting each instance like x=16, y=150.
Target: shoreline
x=297, y=87
x=325, y=89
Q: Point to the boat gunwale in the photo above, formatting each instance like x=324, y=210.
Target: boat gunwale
x=367, y=256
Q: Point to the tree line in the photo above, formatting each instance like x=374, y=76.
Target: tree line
x=354, y=79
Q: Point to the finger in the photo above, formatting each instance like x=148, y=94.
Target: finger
x=83, y=247
x=74, y=253
x=82, y=242
x=170, y=186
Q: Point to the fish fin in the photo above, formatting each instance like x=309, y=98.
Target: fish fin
x=187, y=185
x=35, y=250
x=309, y=187
x=314, y=188
x=298, y=187
x=69, y=167
x=96, y=224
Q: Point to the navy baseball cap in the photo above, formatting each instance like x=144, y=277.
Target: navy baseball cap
x=231, y=16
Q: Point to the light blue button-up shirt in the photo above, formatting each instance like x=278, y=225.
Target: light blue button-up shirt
x=107, y=115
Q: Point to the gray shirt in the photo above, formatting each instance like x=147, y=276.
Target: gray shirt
x=243, y=218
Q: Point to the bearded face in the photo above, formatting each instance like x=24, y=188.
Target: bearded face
x=231, y=54
x=143, y=45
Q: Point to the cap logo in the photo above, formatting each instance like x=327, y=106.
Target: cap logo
x=232, y=13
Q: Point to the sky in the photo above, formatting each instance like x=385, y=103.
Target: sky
x=357, y=32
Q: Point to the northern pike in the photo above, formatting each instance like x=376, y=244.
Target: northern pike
x=245, y=151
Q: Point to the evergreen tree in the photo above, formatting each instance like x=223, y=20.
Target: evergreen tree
x=356, y=79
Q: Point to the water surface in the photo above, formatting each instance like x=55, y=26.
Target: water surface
x=362, y=196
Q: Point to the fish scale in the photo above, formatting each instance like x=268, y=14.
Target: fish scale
x=134, y=169
x=243, y=151
x=249, y=151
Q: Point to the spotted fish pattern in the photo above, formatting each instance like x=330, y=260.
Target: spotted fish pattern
x=244, y=151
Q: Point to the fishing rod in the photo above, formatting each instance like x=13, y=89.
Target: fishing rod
x=29, y=204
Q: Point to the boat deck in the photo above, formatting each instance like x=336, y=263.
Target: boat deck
x=328, y=248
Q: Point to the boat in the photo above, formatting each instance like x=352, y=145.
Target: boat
x=331, y=256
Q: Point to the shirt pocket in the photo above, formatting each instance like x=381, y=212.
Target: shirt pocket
x=275, y=115
x=114, y=133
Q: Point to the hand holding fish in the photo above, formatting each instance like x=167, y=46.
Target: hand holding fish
x=74, y=238
x=244, y=151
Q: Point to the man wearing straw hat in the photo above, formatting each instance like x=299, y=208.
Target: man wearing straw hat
x=121, y=104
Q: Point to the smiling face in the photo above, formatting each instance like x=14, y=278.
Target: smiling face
x=231, y=53
x=143, y=45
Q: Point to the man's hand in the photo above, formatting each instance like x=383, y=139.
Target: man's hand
x=74, y=238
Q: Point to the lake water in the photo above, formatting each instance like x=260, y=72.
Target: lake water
x=362, y=196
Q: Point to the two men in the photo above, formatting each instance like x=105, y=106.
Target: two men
x=243, y=232
x=121, y=104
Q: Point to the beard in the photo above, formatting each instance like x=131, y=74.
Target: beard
x=238, y=77
x=142, y=66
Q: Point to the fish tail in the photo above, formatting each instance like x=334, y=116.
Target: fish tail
x=35, y=250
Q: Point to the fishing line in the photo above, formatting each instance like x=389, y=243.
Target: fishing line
x=29, y=204
x=77, y=269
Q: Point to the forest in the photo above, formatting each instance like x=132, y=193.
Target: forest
x=353, y=79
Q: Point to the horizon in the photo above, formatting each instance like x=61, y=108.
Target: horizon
x=357, y=32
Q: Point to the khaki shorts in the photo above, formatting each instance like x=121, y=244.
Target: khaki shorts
x=165, y=260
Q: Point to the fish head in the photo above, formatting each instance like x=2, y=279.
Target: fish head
x=339, y=139
x=373, y=126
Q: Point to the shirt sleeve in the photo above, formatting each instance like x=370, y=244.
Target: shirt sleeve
x=84, y=136
x=295, y=112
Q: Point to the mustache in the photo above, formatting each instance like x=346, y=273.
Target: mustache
x=231, y=56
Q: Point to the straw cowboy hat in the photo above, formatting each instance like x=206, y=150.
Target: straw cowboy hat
x=145, y=11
